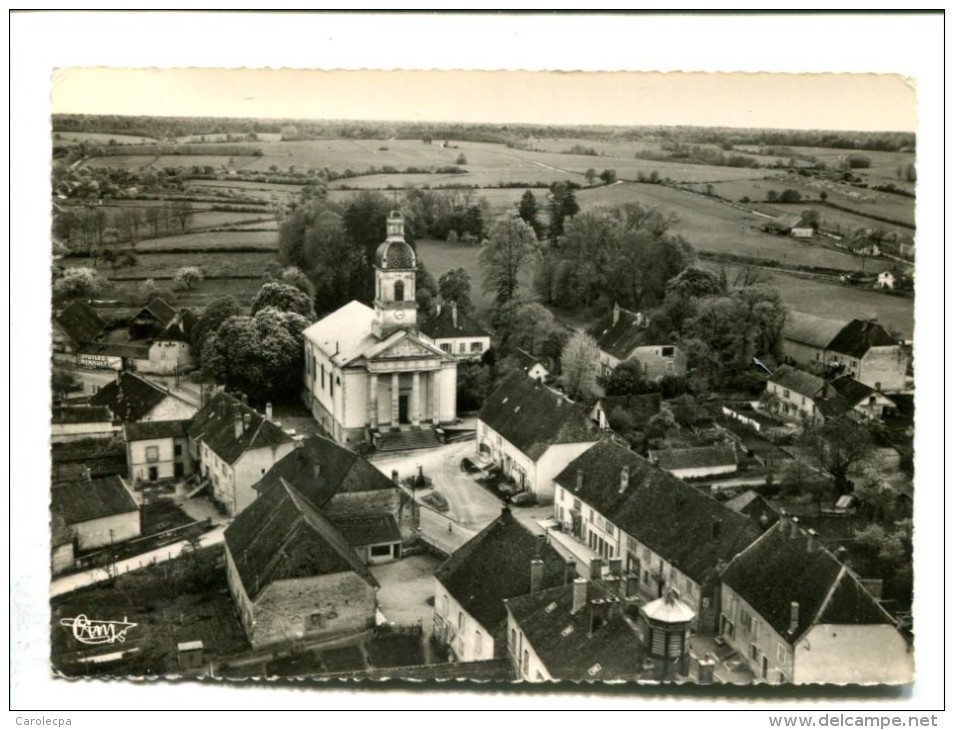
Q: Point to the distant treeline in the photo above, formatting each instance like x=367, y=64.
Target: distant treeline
x=208, y=149
x=514, y=134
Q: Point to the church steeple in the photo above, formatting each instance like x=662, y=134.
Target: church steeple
x=395, y=274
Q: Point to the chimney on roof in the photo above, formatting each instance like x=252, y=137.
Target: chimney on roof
x=454, y=314
x=239, y=427
x=119, y=376
x=536, y=575
x=793, y=618
x=615, y=313
x=316, y=470
x=623, y=479
x=246, y=421
x=812, y=539
x=616, y=566
x=438, y=309
x=596, y=569
x=614, y=607
x=268, y=411
x=244, y=398
x=794, y=523
x=569, y=572
x=782, y=519
x=88, y=474
x=579, y=594
x=597, y=614
x=579, y=480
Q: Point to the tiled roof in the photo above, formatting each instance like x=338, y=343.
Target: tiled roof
x=753, y=505
x=160, y=309
x=280, y=537
x=641, y=407
x=798, y=381
x=81, y=322
x=319, y=469
x=810, y=330
x=859, y=336
x=369, y=530
x=689, y=529
x=853, y=391
x=699, y=457
x=214, y=424
x=779, y=569
x=525, y=359
x=156, y=430
x=788, y=221
x=532, y=417
x=91, y=448
x=90, y=500
x=130, y=398
x=345, y=333
x=80, y=414
x=180, y=327
x=619, y=339
x=563, y=642
x=494, y=565
x=442, y=325
x=394, y=255
x=135, y=350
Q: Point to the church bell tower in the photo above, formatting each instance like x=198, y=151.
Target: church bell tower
x=395, y=279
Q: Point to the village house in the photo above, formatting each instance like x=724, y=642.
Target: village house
x=619, y=338
x=233, y=446
x=132, y=398
x=76, y=325
x=375, y=516
x=532, y=366
x=574, y=632
x=637, y=408
x=697, y=462
x=789, y=225
x=754, y=506
x=613, y=507
x=91, y=458
x=75, y=423
x=803, y=397
x=863, y=398
x=796, y=614
x=886, y=280
x=157, y=450
x=456, y=333
x=532, y=432
x=292, y=574
x=168, y=333
x=369, y=375
x=861, y=348
x=502, y=561
x=97, y=512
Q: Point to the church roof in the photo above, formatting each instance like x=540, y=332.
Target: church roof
x=396, y=254
x=344, y=334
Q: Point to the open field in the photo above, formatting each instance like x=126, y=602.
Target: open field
x=223, y=137
x=199, y=297
x=837, y=221
x=164, y=265
x=123, y=162
x=440, y=257
x=217, y=218
x=266, y=240
x=100, y=138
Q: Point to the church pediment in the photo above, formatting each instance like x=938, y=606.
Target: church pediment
x=406, y=347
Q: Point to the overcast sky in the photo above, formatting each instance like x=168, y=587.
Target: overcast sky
x=809, y=101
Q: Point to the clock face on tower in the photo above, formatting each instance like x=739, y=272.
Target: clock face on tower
x=399, y=315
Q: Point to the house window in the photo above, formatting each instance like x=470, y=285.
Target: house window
x=782, y=655
x=785, y=393
x=668, y=351
x=460, y=620
x=399, y=291
x=745, y=618
x=754, y=652
x=463, y=347
x=322, y=376
x=478, y=649
x=380, y=551
x=447, y=347
x=526, y=661
x=444, y=605
x=177, y=449
x=610, y=529
x=513, y=639
x=756, y=625
x=476, y=346
x=316, y=621
x=152, y=453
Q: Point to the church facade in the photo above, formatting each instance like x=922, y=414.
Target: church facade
x=368, y=369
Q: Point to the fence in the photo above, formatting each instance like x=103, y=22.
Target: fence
x=138, y=545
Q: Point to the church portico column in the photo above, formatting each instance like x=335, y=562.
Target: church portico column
x=435, y=397
x=373, y=399
x=395, y=398
x=416, y=399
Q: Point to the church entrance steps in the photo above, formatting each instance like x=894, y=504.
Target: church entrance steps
x=407, y=440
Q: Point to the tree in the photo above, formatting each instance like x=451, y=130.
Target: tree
x=579, y=362
x=661, y=425
x=693, y=282
x=790, y=196
x=211, y=319
x=608, y=177
x=285, y=298
x=261, y=355
x=590, y=176
x=461, y=159
x=187, y=276
x=812, y=218
x=528, y=211
x=771, y=196
x=293, y=276
x=524, y=325
x=561, y=205
x=473, y=385
x=454, y=286
x=63, y=382
x=78, y=283
x=838, y=446
x=626, y=379
x=508, y=250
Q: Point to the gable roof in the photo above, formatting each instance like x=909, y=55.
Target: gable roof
x=129, y=397
x=156, y=430
x=779, y=569
x=442, y=325
x=686, y=527
x=180, y=327
x=494, y=565
x=280, y=537
x=345, y=333
x=799, y=381
x=214, y=425
x=562, y=638
x=641, y=407
x=80, y=414
x=80, y=321
x=319, y=468
x=753, y=505
x=859, y=336
x=699, y=457
x=810, y=330
x=158, y=308
x=619, y=339
x=525, y=360
x=789, y=220
x=82, y=501
x=369, y=530
x=854, y=391
x=532, y=417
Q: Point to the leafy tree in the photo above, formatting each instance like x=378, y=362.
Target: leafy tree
x=454, y=286
x=461, y=159
x=560, y=206
x=626, y=379
x=838, y=446
x=662, y=425
x=473, y=385
x=285, y=298
x=211, y=319
x=579, y=363
x=693, y=282
x=528, y=211
x=426, y=288
x=608, y=176
x=524, y=325
x=509, y=248
x=78, y=283
x=771, y=196
x=187, y=276
x=590, y=176
x=790, y=196
x=293, y=276
x=812, y=218
x=261, y=355
x=63, y=382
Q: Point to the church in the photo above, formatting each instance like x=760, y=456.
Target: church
x=368, y=371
